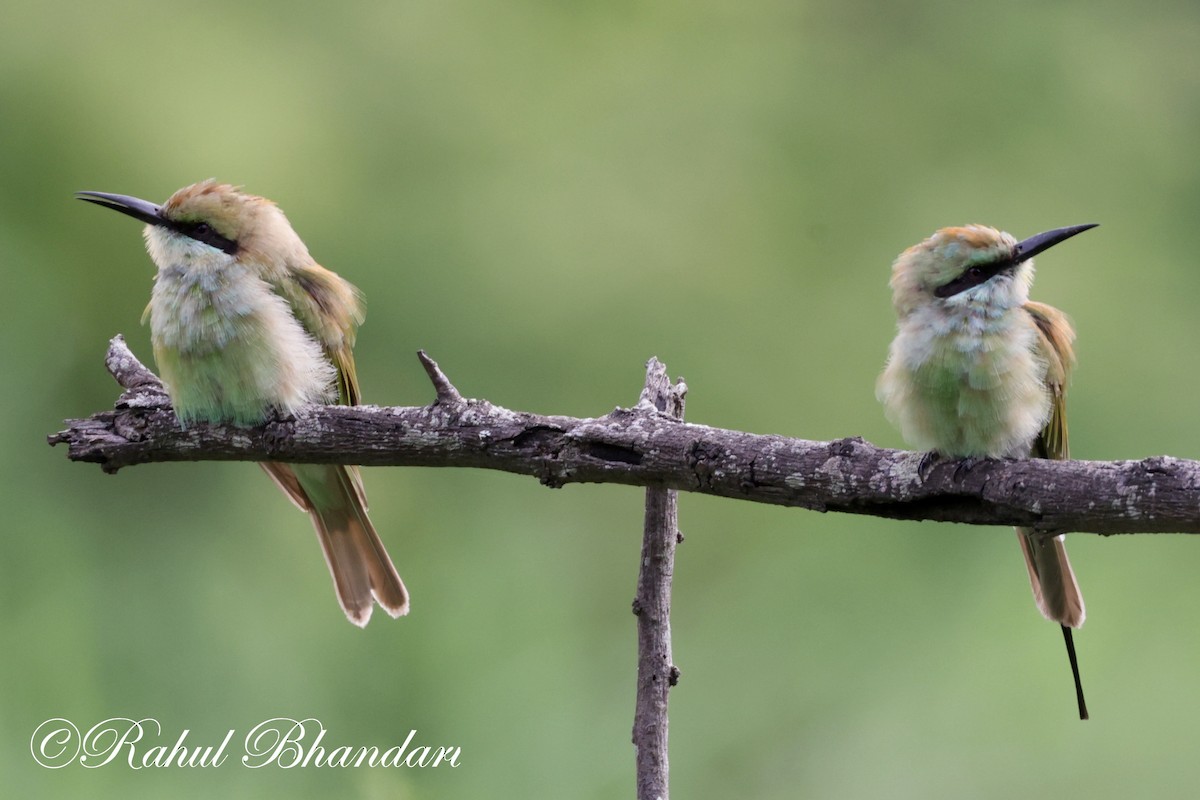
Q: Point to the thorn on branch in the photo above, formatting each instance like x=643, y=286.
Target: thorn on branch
x=127, y=370
x=659, y=393
x=143, y=389
x=447, y=395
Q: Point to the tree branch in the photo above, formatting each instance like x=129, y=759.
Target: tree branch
x=641, y=447
x=656, y=673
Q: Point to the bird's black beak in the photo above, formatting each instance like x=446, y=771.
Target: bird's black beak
x=153, y=214
x=1029, y=248
x=138, y=209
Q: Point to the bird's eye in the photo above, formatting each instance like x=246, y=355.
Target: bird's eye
x=206, y=233
x=975, y=272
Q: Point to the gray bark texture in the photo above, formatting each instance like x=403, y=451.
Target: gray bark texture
x=643, y=446
x=656, y=672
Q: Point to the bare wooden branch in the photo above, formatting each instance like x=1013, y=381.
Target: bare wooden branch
x=446, y=393
x=644, y=448
x=656, y=672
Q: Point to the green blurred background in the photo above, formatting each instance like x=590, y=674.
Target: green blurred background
x=543, y=195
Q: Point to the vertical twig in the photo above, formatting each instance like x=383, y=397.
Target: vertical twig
x=652, y=607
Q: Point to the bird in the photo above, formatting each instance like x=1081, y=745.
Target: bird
x=245, y=326
x=978, y=370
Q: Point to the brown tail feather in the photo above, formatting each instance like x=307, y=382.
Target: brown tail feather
x=357, y=559
x=1054, y=586
x=1056, y=592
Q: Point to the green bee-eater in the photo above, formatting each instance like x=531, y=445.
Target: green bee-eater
x=977, y=369
x=245, y=324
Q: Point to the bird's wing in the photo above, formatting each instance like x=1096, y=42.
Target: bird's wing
x=330, y=309
x=1055, y=346
x=1055, y=588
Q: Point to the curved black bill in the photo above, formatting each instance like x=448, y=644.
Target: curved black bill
x=138, y=209
x=1030, y=247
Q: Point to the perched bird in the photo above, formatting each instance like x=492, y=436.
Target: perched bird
x=977, y=369
x=245, y=324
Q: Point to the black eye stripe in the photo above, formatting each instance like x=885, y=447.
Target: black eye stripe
x=203, y=232
x=973, y=276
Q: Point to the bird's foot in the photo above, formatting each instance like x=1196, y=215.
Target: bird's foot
x=276, y=425
x=274, y=415
x=964, y=467
x=928, y=461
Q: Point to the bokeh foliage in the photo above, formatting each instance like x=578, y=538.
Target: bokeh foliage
x=543, y=195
